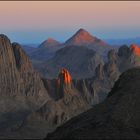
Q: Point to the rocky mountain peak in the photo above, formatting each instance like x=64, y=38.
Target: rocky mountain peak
x=50, y=42
x=83, y=32
x=4, y=40
x=80, y=37
x=124, y=51
x=18, y=78
x=135, y=49
x=64, y=77
x=63, y=83
x=22, y=60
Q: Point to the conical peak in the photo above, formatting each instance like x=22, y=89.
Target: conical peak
x=83, y=34
x=81, y=30
x=51, y=40
x=81, y=37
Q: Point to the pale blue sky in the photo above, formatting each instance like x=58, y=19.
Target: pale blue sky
x=34, y=21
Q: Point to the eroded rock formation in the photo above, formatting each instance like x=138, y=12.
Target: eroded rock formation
x=21, y=88
x=118, y=117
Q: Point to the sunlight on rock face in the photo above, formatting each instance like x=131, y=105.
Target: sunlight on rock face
x=64, y=77
x=135, y=48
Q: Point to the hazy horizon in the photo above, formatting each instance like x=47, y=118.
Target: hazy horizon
x=35, y=21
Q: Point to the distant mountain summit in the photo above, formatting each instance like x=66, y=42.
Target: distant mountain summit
x=45, y=50
x=84, y=38
x=48, y=48
x=50, y=42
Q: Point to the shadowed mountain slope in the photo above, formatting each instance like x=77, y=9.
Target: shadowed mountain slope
x=45, y=50
x=79, y=60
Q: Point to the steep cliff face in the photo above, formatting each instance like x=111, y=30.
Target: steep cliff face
x=64, y=77
x=21, y=89
x=64, y=83
x=105, y=76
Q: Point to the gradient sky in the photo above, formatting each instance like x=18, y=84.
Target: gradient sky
x=35, y=21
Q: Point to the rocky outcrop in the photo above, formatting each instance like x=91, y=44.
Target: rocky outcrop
x=106, y=74
x=118, y=117
x=21, y=88
x=64, y=82
x=69, y=100
x=99, y=72
x=135, y=49
x=64, y=77
x=124, y=51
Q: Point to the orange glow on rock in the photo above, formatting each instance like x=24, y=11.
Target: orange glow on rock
x=64, y=77
x=135, y=49
x=67, y=77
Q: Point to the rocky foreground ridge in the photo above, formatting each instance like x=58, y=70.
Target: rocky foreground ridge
x=118, y=117
x=21, y=88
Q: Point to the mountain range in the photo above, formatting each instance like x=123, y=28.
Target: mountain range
x=36, y=99
x=48, y=47
x=83, y=38
x=82, y=51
